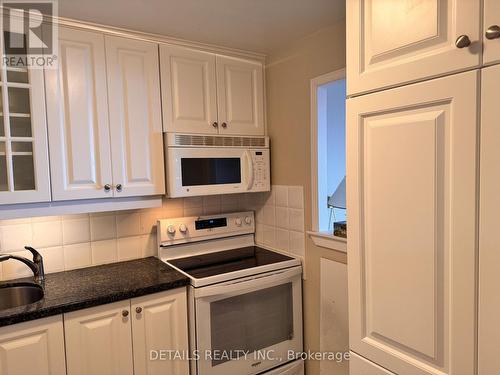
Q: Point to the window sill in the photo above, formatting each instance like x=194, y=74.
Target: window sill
x=328, y=241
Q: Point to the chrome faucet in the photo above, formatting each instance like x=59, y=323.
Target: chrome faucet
x=36, y=265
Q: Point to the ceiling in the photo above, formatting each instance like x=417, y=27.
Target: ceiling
x=254, y=25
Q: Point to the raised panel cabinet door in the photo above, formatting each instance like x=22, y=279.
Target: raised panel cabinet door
x=491, y=31
x=77, y=112
x=412, y=226
x=360, y=366
x=33, y=347
x=489, y=217
x=99, y=340
x=189, y=90
x=24, y=159
x=240, y=96
x=135, y=117
x=159, y=322
x=399, y=41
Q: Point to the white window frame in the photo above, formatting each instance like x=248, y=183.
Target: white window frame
x=322, y=239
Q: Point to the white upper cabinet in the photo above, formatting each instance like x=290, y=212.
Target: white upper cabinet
x=77, y=112
x=33, y=347
x=491, y=31
x=24, y=165
x=411, y=198
x=206, y=93
x=104, y=116
x=135, y=117
x=397, y=41
x=240, y=95
x=189, y=90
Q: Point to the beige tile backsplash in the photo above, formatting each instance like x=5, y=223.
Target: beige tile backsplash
x=280, y=219
x=77, y=241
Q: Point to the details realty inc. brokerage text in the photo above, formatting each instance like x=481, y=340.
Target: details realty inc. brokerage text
x=233, y=355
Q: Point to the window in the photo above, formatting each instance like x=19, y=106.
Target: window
x=328, y=100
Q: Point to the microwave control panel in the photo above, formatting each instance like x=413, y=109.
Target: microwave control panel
x=261, y=172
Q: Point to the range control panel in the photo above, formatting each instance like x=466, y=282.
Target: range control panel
x=192, y=229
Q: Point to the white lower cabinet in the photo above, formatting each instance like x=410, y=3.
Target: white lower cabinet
x=361, y=366
x=99, y=340
x=159, y=322
x=489, y=217
x=116, y=339
x=411, y=197
x=37, y=344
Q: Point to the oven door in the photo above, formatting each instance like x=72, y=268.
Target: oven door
x=208, y=171
x=260, y=316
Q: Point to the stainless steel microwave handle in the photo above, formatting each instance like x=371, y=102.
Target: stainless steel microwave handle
x=247, y=285
x=249, y=169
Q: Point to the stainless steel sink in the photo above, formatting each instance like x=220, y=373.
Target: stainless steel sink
x=19, y=294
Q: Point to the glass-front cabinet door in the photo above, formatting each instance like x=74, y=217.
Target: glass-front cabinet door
x=24, y=170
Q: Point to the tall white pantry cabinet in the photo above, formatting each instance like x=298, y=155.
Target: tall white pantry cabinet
x=423, y=183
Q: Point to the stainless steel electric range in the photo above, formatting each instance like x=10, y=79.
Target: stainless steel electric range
x=245, y=302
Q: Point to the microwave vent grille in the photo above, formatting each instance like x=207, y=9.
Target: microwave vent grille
x=208, y=140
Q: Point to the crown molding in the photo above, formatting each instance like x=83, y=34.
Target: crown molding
x=157, y=38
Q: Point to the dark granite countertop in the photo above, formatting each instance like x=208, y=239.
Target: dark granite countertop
x=78, y=289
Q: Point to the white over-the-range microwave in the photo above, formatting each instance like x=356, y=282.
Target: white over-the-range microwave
x=209, y=165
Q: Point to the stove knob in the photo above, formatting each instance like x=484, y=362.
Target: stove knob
x=238, y=222
x=248, y=220
x=171, y=230
x=183, y=228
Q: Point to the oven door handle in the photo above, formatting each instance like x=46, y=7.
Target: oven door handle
x=248, y=169
x=249, y=284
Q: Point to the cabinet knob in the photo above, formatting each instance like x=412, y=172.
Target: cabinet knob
x=462, y=41
x=138, y=310
x=224, y=125
x=493, y=32
x=107, y=187
x=215, y=124
x=125, y=313
x=119, y=187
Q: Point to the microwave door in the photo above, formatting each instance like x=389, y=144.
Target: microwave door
x=208, y=171
x=249, y=172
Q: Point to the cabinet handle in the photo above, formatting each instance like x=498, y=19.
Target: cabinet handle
x=493, y=32
x=224, y=125
x=462, y=41
x=119, y=187
x=138, y=310
x=125, y=313
x=107, y=187
x=215, y=124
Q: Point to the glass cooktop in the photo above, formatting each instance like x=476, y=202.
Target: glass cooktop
x=212, y=264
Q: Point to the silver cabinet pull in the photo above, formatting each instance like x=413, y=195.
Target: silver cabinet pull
x=107, y=187
x=125, y=313
x=462, y=41
x=493, y=32
x=138, y=310
x=215, y=124
x=224, y=125
x=119, y=187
